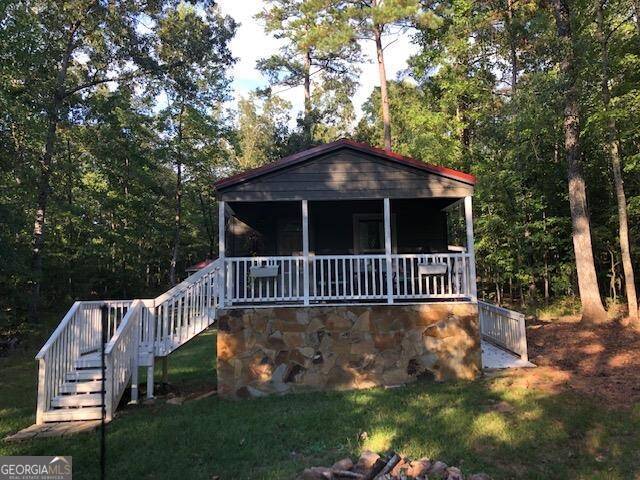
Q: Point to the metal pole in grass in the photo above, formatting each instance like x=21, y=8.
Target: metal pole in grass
x=104, y=310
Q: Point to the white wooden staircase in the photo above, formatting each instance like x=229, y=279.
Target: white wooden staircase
x=72, y=384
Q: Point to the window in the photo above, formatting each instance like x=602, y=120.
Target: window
x=368, y=233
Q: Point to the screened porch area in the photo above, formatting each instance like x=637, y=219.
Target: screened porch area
x=386, y=250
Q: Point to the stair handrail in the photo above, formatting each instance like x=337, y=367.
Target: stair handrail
x=78, y=332
x=58, y=331
x=175, y=311
x=121, y=359
x=187, y=282
x=506, y=328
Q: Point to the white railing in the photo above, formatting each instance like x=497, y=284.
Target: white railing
x=424, y=276
x=503, y=327
x=265, y=279
x=251, y=280
x=121, y=359
x=184, y=311
x=79, y=332
x=347, y=277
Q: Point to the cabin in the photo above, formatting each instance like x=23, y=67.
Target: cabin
x=345, y=266
x=342, y=266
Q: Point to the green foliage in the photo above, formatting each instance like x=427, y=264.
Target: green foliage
x=143, y=101
x=320, y=55
x=465, y=112
x=110, y=211
x=262, y=130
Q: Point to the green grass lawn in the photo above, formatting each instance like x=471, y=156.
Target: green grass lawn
x=544, y=436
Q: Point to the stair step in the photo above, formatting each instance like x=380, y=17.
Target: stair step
x=69, y=414
x=77, y=400
x=88, y=374
x=92, y=386
x=91, y=360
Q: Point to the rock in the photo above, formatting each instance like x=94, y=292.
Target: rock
x=453, y=473
x=363, y=323
x=438, y=468
x=176, y=401
x=338, y=323
x=479, y=476
x=418, y=468
x=344, y=464
x=279, y=373
x=400, y=468
x=366, y=460
x=254, y=392
x=317, y=473
x=307, y=351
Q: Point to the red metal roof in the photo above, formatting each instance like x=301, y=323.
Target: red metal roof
x=200, y=265
x=343, y=143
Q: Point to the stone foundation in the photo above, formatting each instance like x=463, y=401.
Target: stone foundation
x=276, y=350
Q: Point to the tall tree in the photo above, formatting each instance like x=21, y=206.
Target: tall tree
x=317, y=49
x=263, y=131
x=375, y=20
x=613, y=147
x=592, y=308
x=79, y=45
x=197, y=42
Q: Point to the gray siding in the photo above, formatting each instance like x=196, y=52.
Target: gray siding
x=346, y=174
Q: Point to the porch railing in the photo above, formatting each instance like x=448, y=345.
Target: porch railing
x=503, y=327
x=339, y=278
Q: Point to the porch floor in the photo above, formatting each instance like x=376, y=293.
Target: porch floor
x=496, y=358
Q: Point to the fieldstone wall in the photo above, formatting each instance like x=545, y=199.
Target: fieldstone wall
x=276, y=350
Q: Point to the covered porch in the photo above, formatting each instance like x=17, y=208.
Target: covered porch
x=346, y=223
x=358, y=251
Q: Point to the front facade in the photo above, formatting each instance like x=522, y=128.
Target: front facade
x=345, y=266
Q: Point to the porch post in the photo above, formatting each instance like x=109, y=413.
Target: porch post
x=305, y=249
x=387, y=249
x=221, y=253
x=468, y=216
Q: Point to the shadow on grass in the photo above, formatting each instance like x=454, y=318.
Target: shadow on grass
x=543, y=435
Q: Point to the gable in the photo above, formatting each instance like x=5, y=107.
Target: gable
x=345, y=173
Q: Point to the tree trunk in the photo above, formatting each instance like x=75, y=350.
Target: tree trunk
x=38, y=237
x=592, y=308
x=637, y=5
x=178, y=199
x=512, y=47
x=207, y=217
x=307, y=126
x=384, y=94
x=613, y=148
x=38, y=241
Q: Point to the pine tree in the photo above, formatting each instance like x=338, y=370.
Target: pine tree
x=317, y=49
x=376, y=20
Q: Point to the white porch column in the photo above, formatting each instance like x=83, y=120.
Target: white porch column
x=387, y=248
x=221, y=253
x=468, y=216
x=305, y=249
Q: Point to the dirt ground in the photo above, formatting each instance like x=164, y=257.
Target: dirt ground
x=601, y=361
